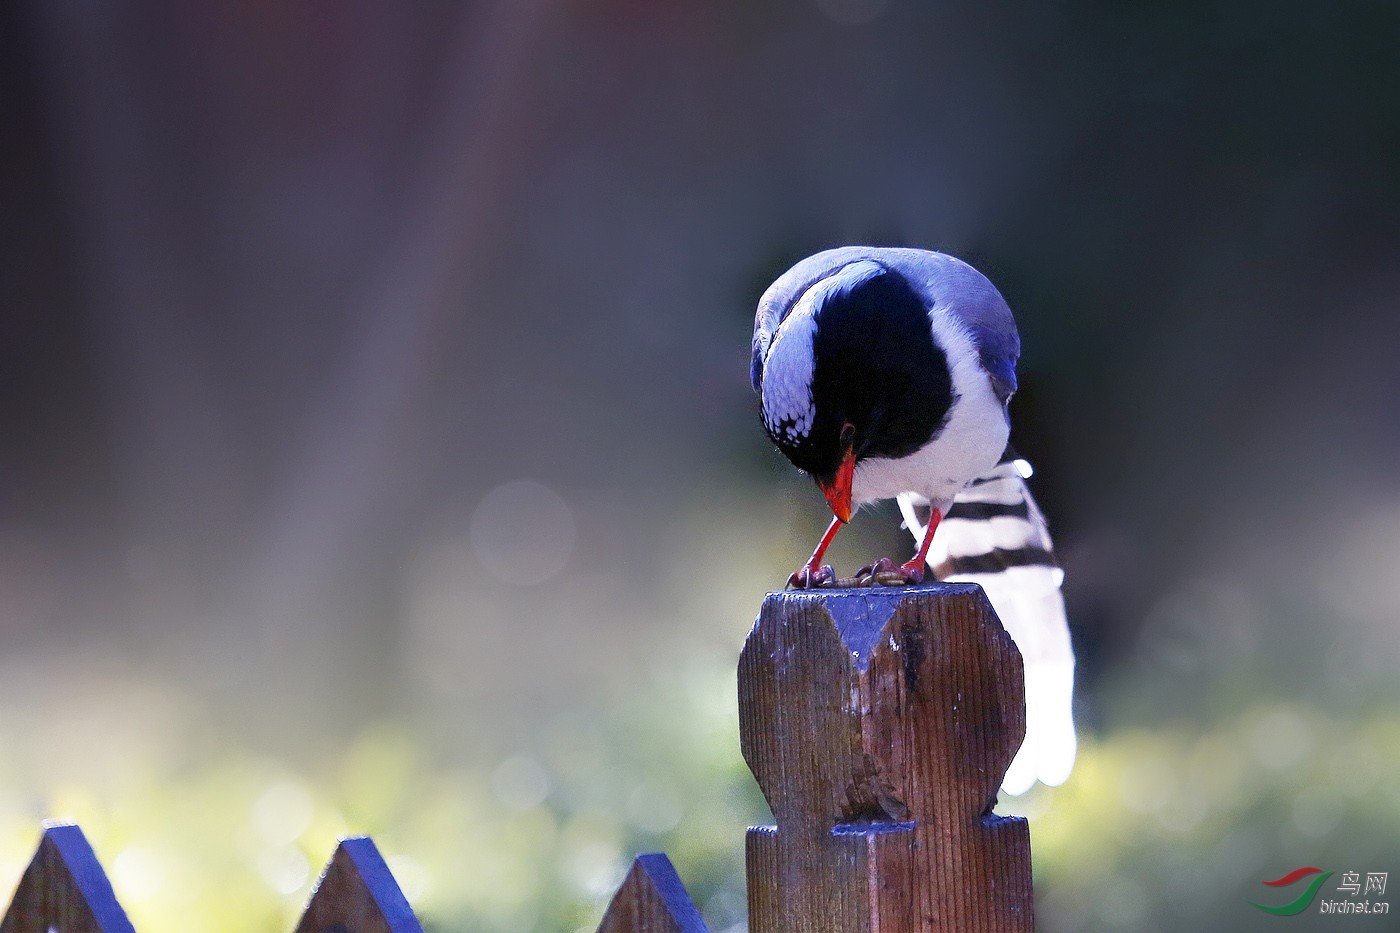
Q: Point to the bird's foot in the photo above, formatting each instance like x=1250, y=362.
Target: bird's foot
x=885, y=572
x=810, y=577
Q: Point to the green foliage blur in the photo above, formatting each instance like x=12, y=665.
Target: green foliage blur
x=1173, y=816
x=200, y=832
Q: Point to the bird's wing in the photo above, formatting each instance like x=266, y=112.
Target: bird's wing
x=995, y=535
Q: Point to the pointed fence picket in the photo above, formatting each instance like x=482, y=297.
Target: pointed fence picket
x=879, y=724
x=358, y=892
x=64, y=889
x=652, y=899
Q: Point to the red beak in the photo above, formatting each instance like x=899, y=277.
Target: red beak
x=838, y=492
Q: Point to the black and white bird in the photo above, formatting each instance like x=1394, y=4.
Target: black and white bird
x=886, y=373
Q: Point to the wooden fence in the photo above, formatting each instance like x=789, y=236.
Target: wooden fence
x=879, y=724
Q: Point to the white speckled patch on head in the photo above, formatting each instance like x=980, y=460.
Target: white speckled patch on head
x=787, y=376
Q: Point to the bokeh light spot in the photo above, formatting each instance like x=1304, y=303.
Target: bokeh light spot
x=596, y=868
x=654, y=809
x=1316, y=812
x=410, y=874
x=1281, y=740
x=282, y=813
x=520, y=783
x=138, y=873
x=285, y=869
x=523, y=532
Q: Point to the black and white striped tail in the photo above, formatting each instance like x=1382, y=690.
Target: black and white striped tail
x=995, y=535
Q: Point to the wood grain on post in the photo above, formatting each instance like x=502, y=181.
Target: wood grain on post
x=64, y=888
x=879, y=723
x=358, y=894
x=652, y=899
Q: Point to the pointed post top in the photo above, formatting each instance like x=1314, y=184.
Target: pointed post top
x=358, y=894
x=881, y=704
x=65, y=888
x=879, y=724
x=652, y=899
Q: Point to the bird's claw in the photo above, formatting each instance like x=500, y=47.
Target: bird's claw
x=809, y=577
x=883, y=565
x=885, y=572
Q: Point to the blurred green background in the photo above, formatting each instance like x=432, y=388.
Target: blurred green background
x=377, y=454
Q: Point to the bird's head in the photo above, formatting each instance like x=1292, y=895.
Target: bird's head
x=853, y=373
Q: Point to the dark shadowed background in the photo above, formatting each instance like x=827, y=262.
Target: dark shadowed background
x=377, y=452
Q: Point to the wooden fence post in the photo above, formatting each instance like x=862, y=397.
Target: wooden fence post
x=64, y=888
x=652, y=899
x=358, y=894
x=879, y=723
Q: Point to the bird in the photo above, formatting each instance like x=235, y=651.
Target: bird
x=887, y=373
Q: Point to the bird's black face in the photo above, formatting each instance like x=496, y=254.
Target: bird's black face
x=879, y=384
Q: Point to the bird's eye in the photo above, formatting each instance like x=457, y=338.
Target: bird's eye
x=848, y=433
